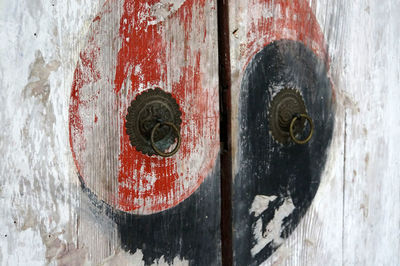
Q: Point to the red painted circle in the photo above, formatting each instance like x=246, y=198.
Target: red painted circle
x=126, y=54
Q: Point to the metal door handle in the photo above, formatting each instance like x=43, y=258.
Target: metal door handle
x=291, y=130
x=165, y=154
x=154, y=117
x=287, y=117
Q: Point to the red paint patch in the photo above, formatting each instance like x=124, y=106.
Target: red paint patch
x=283, y=19
x=292, y=20
x=148, y=184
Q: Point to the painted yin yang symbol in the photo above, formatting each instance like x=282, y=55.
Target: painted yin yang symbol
x=275, y=183
x=131, y=48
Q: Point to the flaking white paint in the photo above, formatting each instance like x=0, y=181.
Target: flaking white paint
x=273, y=230
x=39, y=188
x=46, y=219
x=163, y=9
x=354, y=218
x=260, y=204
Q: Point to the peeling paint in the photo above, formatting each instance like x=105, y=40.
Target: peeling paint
x=260, y=204
x=163, y=9
x=123, y=258
x=273, y=231
x=177, y=55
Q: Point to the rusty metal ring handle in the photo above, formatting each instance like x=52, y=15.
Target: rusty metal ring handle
x=175, y=150
x=311, y=128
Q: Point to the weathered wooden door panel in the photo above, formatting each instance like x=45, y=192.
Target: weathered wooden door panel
x=59, y=210
x=134, y=50
x=279, y=68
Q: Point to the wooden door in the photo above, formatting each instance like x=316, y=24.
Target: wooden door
x=138, y=69
x=309, y=204
x=147, y=61
x=75, y=189
x=282, y=71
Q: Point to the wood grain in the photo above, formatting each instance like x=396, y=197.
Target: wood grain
x=68, y=223
x=46, y=218
x=372, y=184
x=155, y=202
x=364, y=71
x=280, y=47
x=355, y=200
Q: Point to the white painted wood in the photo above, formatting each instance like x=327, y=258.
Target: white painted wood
x=372, y=183
x=45, y=216
x=355, y=216
x=43, y=219
x=318, y=238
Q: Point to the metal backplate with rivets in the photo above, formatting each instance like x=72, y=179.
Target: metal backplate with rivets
x=146, y=110
x=284, y=106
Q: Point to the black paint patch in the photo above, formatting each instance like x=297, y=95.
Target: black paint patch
x=190, y=230
x=266, y=167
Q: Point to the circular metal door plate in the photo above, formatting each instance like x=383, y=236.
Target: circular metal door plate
x=284, y=106
x=145, y=112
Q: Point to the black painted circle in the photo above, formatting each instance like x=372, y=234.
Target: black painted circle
x=267, y=167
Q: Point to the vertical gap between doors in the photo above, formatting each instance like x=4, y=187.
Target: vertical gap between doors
x=225, y=132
